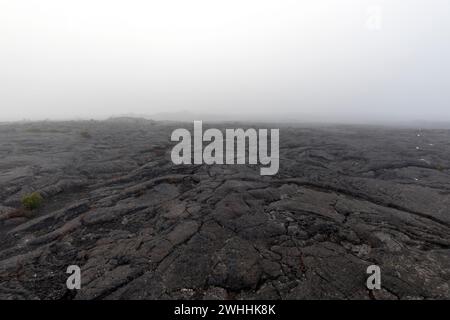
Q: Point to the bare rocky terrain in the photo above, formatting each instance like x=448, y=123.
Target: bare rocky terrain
x=345, y=197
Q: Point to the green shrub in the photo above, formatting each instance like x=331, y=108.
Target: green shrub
x=85, y=134
x=32, y=201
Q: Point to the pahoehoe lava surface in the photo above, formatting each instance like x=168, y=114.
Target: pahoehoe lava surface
x=345, y=197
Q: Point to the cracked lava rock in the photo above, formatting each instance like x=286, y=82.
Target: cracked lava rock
x=139, y=227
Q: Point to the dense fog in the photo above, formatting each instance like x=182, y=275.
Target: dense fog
x=347, y=60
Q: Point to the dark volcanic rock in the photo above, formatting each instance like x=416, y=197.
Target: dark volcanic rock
x=141, y=228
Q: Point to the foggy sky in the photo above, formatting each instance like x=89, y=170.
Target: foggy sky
x=317, y=59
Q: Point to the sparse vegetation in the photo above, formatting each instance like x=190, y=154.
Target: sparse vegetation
x=32, y=201
x=85, y=134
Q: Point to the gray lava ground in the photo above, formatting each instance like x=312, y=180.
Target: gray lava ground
x=141, y=228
